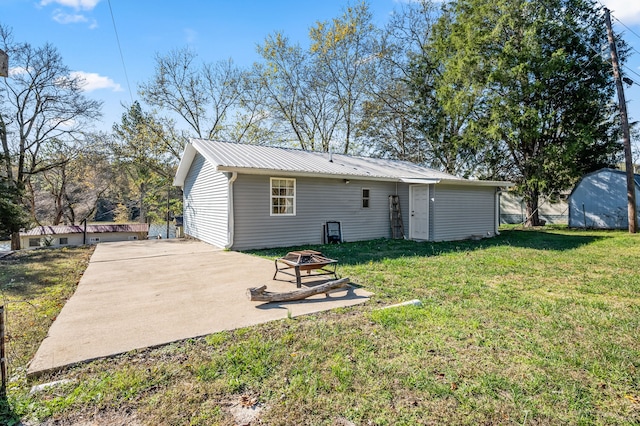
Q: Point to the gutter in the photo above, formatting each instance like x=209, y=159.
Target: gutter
x=355, y=176
x=499, y=192
x=230, y=222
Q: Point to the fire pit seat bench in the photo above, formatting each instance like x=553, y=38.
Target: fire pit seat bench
x=313, y=262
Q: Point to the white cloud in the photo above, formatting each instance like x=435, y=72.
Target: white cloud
x=94, y=81
x=190, y=35
x=66, y=18
x=76, y=4
x=625, y=10
x=17, y=71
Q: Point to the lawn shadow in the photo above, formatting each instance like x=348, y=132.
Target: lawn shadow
x=366, y=251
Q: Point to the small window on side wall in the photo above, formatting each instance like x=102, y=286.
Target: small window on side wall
x=365, y=198
x=34, y=242
x=64, y=241
x=283, y=197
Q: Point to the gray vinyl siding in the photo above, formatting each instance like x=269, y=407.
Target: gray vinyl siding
x=206, y=203
x=318, y=200
x=461, y=212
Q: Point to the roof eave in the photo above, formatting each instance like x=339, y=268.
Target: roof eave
x=417, y=180
x=495, y=183
x=185, y=164
x=294, y=173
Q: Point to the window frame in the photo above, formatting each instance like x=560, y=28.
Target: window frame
x=35, y=242
x=367, y=198
x=272, y=197
x=63, y=241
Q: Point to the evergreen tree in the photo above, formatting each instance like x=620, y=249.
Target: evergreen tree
x=539, y=86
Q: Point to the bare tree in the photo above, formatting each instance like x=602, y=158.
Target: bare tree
x=70, y=192
x=42, y=104
x=346, y=55
x=295, y=99
x=203, y=95
x=316, y=95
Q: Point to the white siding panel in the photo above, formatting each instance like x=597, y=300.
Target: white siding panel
x=600, y=198
x=318, y=200
x=460, y=212
x=206, y=203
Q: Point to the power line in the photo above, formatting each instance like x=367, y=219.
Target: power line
x=623, y=24
x=553, y=12
x=629, y=29
x=634, y=72
x=115, y=29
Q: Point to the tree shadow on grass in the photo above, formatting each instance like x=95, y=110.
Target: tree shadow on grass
x=374, y=250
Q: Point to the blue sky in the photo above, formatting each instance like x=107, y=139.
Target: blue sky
x=83, y=32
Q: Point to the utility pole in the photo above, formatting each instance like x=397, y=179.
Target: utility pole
x=168, y=208
x=626, y=138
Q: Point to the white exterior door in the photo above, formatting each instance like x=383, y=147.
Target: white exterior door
x=419, y=212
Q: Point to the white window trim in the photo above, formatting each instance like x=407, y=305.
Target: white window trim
x=271, y=196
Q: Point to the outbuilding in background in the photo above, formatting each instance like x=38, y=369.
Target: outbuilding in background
x=599, y=200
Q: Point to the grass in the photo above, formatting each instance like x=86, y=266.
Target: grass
x=34, y=285
x=531, y=327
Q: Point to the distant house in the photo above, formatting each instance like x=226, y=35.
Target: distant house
x=74, y=235
x=246, y=196
x=514, y=210
x=599, y=200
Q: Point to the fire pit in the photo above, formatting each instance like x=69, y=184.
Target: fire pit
x=313, y=262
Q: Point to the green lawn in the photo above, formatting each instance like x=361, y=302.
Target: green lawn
x=531, y=327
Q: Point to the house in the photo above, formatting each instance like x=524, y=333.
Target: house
x=552, y=210
x=599, y=200
x=75, y=235
x=242, y=196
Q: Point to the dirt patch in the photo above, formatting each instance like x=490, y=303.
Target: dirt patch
x=245, y=410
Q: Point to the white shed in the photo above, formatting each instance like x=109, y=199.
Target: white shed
x=599, y=200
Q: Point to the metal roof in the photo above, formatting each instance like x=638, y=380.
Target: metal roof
x=256, y=159
x=91, y=229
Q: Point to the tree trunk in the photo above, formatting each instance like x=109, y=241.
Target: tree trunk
x=15, y=240
x=259, y=293
x=531, y=201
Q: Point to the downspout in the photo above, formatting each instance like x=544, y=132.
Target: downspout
x=498, y=193
x=230, y=224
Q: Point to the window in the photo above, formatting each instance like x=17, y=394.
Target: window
x=94, y=239
x=34, y=242
x=132, y=237
x=365, y=198
x=283, y=197
x=64, y=241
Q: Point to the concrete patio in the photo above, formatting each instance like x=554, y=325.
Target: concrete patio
x=141, y=294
